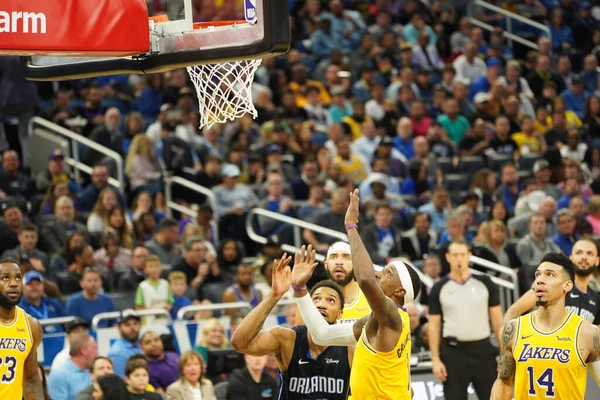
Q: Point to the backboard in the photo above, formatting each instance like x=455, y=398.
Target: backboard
x=185, y=33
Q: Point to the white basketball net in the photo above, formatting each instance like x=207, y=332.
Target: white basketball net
x=224, y=90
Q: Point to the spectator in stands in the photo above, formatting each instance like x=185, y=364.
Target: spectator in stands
x=101, y=366
x=455, y=125
x=277, y=202
x=178, y=286
x=90, y=194
x=574, y=148
x=475, y=143
x=55, y=232
x=380, y=195
x=529, y=140
x=195, y=255
x=594, y=214
x=13, y=182
x=547, y=208
x=496, y=242
x=128, y=344
x=130, y=280
x=571, y=189
x=251, y=382
x=163, y=366
x=468, y=66
x=107, y=199
x=137, y=378
x=141, y=166
x=55, y=172
x=578, y=208
x=590, y=74
x=110, y=386
x=471, y=312
x=403, y=141
x=26, y=252
x=72, y=328
x=315, y=202
x=366, y=145
x=381, y=239
x=333, y=219
x=543, y=175
x=300, y=185
x=541, y=74
x=66, y=381
x=438, y=208
x=55, y=190
x=153, y=292
x=60, y=262
x=89, y=302
x=457, y=226
x=566, y=236
x=391, y=160
x=508, y=191
x=112, y=259
x=108, y=134
x=420, y=240
x=116, y=222
x=576, y=96
x=192, y=383
x=502, y=143
x=82, y=258
x=213, y=337
x=243, y=289
x=426, y=158
x=460, y=38
x=36, y=304
x=561, y=34
x=352, y=165
x=532, y=248
x=164, y=242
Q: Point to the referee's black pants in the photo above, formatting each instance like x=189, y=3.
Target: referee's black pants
x=468, y=362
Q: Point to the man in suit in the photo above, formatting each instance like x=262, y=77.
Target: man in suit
x=420, y=240
x=57, y=229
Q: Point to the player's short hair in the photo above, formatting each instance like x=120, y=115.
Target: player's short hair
x=561, y=259
x=135, y=363
x=98, y=358
x=592, y=240
x=331, y=285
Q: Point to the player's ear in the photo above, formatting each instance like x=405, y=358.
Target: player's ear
x=339, y=315
x=400, y=292
x=568, y=286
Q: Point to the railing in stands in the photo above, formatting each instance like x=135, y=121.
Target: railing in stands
x=140, y=313
x=56, y=321
x=171, y=205
x=183, y=311
x=75, y=160
x=508, y=17
x=509, y=288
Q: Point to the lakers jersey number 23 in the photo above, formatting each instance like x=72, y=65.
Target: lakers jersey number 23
x=15, y=344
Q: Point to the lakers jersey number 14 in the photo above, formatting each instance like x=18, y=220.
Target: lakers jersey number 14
x=15, y=344
x=548, y=365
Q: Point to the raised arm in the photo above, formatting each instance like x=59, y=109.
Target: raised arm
x=521, y=306
x=249, y=338
x=322, y=333
x=503, y=387
x=32, y=383
x=364, y=270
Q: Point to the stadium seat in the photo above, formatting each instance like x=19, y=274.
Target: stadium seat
x=446, y=165
x=221, y=389
x=457, y=182
x=497, y=161
x=471, y=164
x=457, y=197
x=411, y=200
x=527, y=160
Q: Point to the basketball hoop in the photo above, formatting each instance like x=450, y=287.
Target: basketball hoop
x=224, y=89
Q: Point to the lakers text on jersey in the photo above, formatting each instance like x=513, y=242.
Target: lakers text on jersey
x=382, y=375
x=15, y=344
x=548, y=365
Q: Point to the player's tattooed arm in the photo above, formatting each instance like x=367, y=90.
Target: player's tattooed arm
x=32, y=382
x=506, y=371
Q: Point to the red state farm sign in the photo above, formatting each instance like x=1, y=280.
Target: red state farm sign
x=74, y=27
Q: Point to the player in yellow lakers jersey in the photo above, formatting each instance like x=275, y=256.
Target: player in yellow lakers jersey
x=20, y=335
x=545, y=354
x=338, y=268
x=381, y=364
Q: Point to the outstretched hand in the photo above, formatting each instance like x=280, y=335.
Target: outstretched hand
x=353, y=209
x=281, y=276
x=304, y=265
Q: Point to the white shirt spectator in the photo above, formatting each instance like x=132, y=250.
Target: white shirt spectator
x=577, y=154
x=469, y=72
x=374, y=110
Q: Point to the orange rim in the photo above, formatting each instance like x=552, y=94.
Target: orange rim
x=201, y=25
x=159, y=18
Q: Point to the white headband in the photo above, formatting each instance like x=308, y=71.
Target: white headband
x=342, y=247
x=407, y=284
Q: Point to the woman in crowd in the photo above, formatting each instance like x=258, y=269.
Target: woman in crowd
x=116, y=222
x=107, y=199
x=110, y=387
x=484, y=184
x=60, y=262
x=192, y=385
x=111, y=259
x=55, y=190
x=213, y=338
x=141, y=166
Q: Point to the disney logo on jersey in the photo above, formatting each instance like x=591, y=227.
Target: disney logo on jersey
x=530, y=352
x=332, y=361
x=13, y=344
